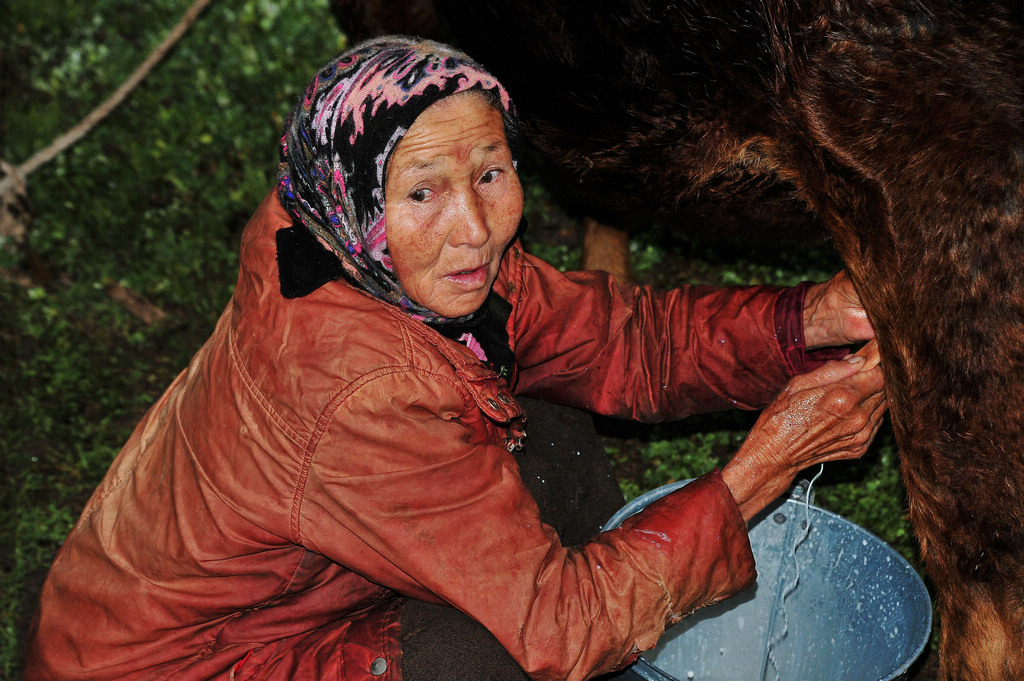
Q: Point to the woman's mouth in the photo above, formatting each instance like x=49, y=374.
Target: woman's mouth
x=470, y=278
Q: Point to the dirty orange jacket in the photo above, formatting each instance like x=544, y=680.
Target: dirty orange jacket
x=323, y=456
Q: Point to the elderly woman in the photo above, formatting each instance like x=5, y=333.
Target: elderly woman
x=331, y=489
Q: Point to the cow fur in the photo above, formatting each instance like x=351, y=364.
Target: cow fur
x=898, y=127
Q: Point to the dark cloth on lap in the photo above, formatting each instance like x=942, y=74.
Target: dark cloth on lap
x=566, y=469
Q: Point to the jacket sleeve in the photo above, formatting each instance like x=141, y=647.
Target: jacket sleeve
x=628, y=351
x=403, y=488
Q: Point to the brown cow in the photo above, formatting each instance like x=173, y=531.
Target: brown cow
x=898, y=127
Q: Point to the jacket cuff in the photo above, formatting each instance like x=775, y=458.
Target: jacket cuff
x=705, y=543
x=789, y=330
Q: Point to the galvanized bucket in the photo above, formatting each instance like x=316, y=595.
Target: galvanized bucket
x=834, y=603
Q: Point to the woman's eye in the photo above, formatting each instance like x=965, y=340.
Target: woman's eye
x=419, y=195
x=490, y=176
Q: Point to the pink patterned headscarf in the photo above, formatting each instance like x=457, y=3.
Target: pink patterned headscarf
x=337, y=143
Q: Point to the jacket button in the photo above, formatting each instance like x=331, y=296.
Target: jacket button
x=378, y=666
x=491, y=403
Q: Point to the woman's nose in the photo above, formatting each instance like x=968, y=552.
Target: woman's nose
x=470, y=222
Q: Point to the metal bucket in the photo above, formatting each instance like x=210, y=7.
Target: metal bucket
x=842, y=606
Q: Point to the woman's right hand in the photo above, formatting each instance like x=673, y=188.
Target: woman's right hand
x=828, y=414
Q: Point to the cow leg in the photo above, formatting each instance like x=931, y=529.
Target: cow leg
x=923, y=189
x=606, y=248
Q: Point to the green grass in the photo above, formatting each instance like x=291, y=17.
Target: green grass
x=154, y=199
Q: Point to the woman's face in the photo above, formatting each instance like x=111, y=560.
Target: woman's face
x=452, y=204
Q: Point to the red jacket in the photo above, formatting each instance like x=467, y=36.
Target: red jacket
x=322, y=455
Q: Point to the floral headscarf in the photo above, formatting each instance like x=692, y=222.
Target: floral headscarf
x=337, y=143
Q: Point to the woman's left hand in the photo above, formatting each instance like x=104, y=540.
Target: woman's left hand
x=833, y=314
